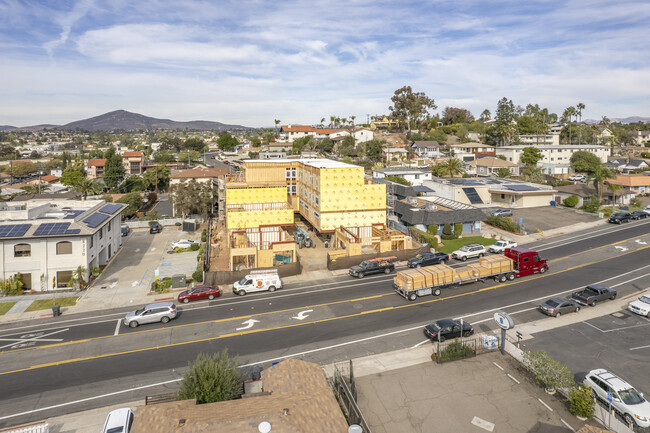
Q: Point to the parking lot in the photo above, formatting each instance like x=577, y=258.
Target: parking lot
x=549, y=217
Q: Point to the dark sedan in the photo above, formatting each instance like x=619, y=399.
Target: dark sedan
x=155, y=228
x=445, y=329
x=639, y=215
x=199, y=292
x=558, y=306
x=426, y=259
x=620, y=217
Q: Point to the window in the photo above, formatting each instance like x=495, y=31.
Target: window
x=92, y=241
x=64, y=247
x=63, y=278
x=22, y=250
x=101, y=233
x=316, y=214
x=316, y=201
x=26, y=279
x=290, y=173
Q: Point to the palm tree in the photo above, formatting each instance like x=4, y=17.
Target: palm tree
x=322, y=122
x=332, y=119
x=454, y=166
x=579, y=109
x=485, y=115
x=599, y=174
x=78, y=277
x=614, y=189
x=277, y=122
x=87, y=186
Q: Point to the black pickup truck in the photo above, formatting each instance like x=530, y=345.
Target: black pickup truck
x=592, y=294
x=374, y=266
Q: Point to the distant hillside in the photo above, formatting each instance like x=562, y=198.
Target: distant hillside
x=632, y=119
x=6, y=128
x=125, y=121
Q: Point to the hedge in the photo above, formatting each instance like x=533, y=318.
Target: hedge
x=425, y=237
x=570, y=201
x=446, y=233
x=504, y=223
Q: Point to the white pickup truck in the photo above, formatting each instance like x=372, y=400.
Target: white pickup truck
x=500, y=246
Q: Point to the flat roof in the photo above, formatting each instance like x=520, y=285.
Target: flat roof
x=312, y=162
x=556, y=146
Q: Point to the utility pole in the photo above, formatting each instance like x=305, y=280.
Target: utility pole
x=156, y=180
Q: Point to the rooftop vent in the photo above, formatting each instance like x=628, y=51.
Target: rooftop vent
x=431, y=206
x=181, y=422
x=264, y=427
x=412, y=201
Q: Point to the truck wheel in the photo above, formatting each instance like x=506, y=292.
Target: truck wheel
x=480, y=255
x=387, y=271
x=558, y=314
x=503, y=278
x=613, y=297
x=436, y=292
x=511, y=276
x=271, y=288
x=542, y=269
x=441, y=339
x=464, y=258
x=593, y=304
x=412, y=296
x=361, y=274
x=241, y=293
x=418, y=265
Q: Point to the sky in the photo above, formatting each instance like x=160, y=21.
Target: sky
x=250, y=62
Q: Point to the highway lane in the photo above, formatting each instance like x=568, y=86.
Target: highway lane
x=361, y=321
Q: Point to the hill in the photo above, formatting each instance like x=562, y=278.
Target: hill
x=6, y=127
x=625, y=120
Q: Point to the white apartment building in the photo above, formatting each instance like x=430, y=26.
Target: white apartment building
x=413, y=175
x=46, y=240
x=540, y=140
x=554, y=154
x=292, y=132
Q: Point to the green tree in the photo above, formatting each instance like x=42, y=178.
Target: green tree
x=86, y=187
x=132, y=183
x=551, y=373
x=256, y=142
x=72, y=175
x=325, y=145
x=458, y=229
x=192, y=157
x=211, y=379
x=571, y=201
x=163, y=156
x=300, y=144
x=398, y=179
x=375, y=150
x=113, y=170
x=189, y=197
x=584, y=161
x=614, y=188
x=485, y=115
x=454, y=166
x=600, y=174
x=195, y=144
x=439, y=170
x=503, y=172
x=346, y=148
x=134, y=202
x=531, y=155
x=78, y=278
x=504, y=124
x=23, y=168
x=12, y=285
x=409, y=106
x=532, y=173
x=452, y=115
x=446, y=233
x=227, y=142
x=172, y=144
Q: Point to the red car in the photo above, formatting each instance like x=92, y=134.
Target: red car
x=198, y=292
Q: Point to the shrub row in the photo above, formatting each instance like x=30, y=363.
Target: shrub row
x=504, y=223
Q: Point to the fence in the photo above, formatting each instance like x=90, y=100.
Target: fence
x=30, y=428
x=346, y=394
x=466, y=347
x=229, y=277
x=145, y=224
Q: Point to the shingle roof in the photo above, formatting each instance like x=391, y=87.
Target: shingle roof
x=129, y=154
x=418, y=214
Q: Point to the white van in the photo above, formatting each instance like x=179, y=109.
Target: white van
x=258, y=281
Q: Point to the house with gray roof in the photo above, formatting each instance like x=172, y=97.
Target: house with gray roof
x=423, y=212
x=415, y=176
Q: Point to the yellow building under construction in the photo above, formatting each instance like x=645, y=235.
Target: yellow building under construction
x=329, y=194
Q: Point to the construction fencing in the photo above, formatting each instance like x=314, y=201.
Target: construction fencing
x=346, y=393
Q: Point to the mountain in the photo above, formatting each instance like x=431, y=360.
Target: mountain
x=6, y=128
x=125, y=120
x=631, y=119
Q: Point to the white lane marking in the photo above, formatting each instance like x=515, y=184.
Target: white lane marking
x=640, y=347
x=511, y=377
x=639, y=241
x=498, y=366
x=593, y=326
x=618, y=247
x=249, y=324
x=117, y=326
x=481, y=423
x=302, y=315
x=32, y=338
x=625, y=327
x=567, y=425
x=595, y=233
x=420, y=343
x=547, y=406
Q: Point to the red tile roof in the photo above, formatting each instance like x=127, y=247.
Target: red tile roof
x=99, y=162
x=200, y=173
x=49, y=178
x=131, y=154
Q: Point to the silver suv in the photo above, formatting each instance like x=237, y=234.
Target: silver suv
x=625, y=399
x=469, y=251
x=157, y=312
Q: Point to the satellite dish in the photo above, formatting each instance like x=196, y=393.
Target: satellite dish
x=264, y=427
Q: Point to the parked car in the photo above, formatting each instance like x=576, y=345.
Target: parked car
x=125, y=230
x=155, y=228
x=197, y=293
x=502, y=212
x=119, y=421
x=592, y=294
x=500, y=246
x=157, y=312
x=183, y=243
x=374, y=266
x=620, y=217
x=578, y=178
x=639, y=215
x=426, y=259
x=557, y=306
x=641, y=306
x=626, y=400
x=647, y=209
x=445, y=329
x=469, y=251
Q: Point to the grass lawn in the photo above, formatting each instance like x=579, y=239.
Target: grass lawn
x=6, y=306
x=453, y=244
x=46, y=304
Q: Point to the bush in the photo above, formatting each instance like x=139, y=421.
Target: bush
x=204, y=235
x=198, y=276
x=432, y=229
x=592, y=205
x=504, y=223
x=424, y=237
x=607, y=212
x=456, y=350
x=211, y=379
x=458, y=229
x=398, y=179
x=635, y=202
x=178, y=224
x=549, y=372
x=162, y=286
x=12, y=285
x=195, y=247
x=582, y=403
x=446, y=233
x=570, y=201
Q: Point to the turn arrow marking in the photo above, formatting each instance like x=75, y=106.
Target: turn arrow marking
x=620, y=248
x=639, y=241
x=302, y=315
x=249, y=324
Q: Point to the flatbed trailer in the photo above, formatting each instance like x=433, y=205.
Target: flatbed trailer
x=430, y=280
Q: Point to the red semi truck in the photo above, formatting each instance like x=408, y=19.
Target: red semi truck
x=525, y=261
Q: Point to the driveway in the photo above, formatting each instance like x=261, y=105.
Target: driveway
x=549, y=217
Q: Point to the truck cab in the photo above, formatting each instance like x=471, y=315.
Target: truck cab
x=526, y=262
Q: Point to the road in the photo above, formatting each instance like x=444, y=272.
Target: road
x=320, y=321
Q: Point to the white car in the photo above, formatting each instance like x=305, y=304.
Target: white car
x=469, y=251
x=578, y=177
x=625, y=399
x=640, y=306
x=119, y=421
x=500, y=246
x=647, y=209
x=183, y=243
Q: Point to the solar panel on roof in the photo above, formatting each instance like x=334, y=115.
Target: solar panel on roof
x=518, y=187
x=72, y=232
x=111, y=208
x=14, y=230
x=51, y=229
x=96, y=219
x=472, y=195
x=73, y=213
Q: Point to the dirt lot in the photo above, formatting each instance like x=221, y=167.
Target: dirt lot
x=550, y=217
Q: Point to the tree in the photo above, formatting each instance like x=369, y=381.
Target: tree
x=583, y=161
x=579, y=109
x=454, y=166
x=195, y=144
x=227, y=142
x=398, y=179
x=301, y=143
x=163, y=156
x=156, y=177
x=485, y=115
x=571, y=201
x=85, y=186
x=192, y=197
x=438, y=170
x=134, y=202
x=78, y=278
x=12, y=285
x=532, y=173
x=409, y=106
x=23, y=168
x=346, y=148
x=456, y=115
x=614, y=188
x=188, y=156
x=325, y=145
x=277, y=122
x=446, y=233
x=375, y=150
x=503, y=172
x=132, y=183
x=211, y=379
x=506, y=115
x=531, y=155
x=551, y=373
x=599, y=174
x=113, y=170
x=172, y=144
x=72, y=175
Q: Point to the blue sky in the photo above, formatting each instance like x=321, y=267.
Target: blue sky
x=249, y=62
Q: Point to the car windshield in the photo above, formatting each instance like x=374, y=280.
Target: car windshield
x=645, y=299
x=435, y=326
x=115, y=430
x=631, y=396
x=551, y=303
x=140, y=311
x=464, y=248
x=242, y=281
x=500, y=243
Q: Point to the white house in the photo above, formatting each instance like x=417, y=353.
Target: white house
x=540, y=140
x=293, y=132
x=553, y=154
x=46, y=240
x=413, y=175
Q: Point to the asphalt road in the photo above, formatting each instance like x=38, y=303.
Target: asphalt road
x=342, y=318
